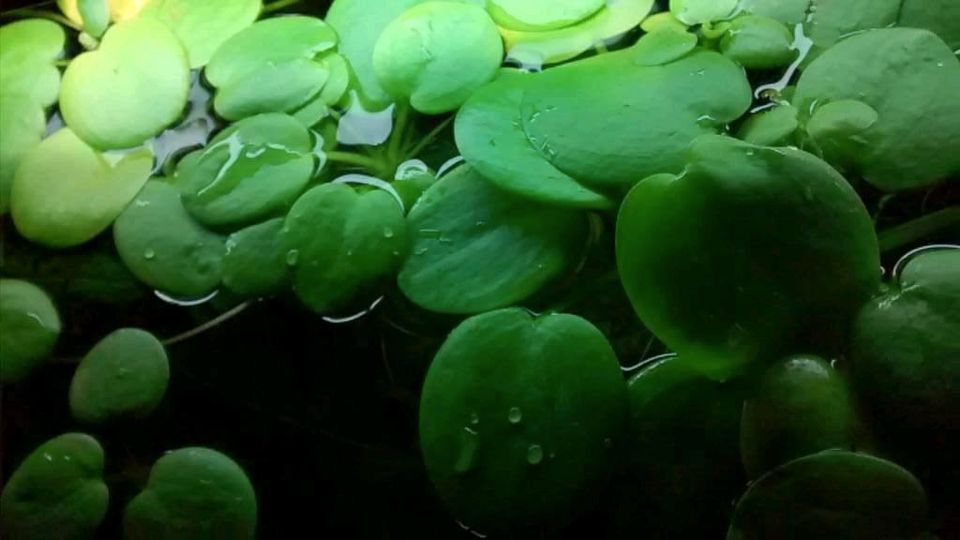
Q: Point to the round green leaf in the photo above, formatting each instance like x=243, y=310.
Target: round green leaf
x=359, y=24
x=65, y=193
x=664, y=46
x=141, y=71
x=683, y=448
x=29, y=328
x=342, y=244
x=832, y=496
x=283, y=77
x=904, y=351
x=892, y=70
x=639, y=122
x=256, y=263
x=490, y=135
x=203, y=26
x=162, y=245
x=770, y=127
x=692, y=12
x=538, y=48
x=193, y=494
x=253, y=170
x=537, y=15
x=125, y=375
x=750, y=251
x=58, y=490
x=476, y=247
x=27, y=53
x=436, y=54
x=757, y=42
x=802, y=406
x=522, y=418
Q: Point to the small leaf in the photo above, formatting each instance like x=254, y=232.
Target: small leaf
x=757, y=42
x=539, y=15
x=29, y=328
x=692, y=12
x=141, y=70
x=125, y=375
x=95, y=15
x=59, y=487
x=256, y=263
x=770, y=127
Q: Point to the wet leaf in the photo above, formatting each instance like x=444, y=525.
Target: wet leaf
x=251, y=171
x=342, y=244
x=124, y=375
x=128, y=90
x=59, y=487
x=162, y=245
x=29, y=328
x=476, y=247
x=521, y=418
x=891, y=71
x=436, y=54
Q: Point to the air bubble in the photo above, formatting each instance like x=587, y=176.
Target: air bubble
x=515, y=415
x=534, y=454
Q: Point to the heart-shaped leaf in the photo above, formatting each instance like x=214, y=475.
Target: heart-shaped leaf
x=193, y=493
x=476, y=247
x=903, y=353
x=256, y=263
x=800, y=407
x=203, y=26
x=832, y=495
x=892, y=70
x=58, y=490
x=342, y=244
x=29, y=328
x=164, y=247
x=253, y=170
x=750, y=251
x=436, y=54
x=521, y=418
x=141, y=70
x=65, y=193
x=125, y=375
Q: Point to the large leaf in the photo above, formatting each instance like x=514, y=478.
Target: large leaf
x=476, y=247
x=65, y=193
x=749, y=252
x=892, y=70
x=537, y=136
x=521, y=418
x=141, y=71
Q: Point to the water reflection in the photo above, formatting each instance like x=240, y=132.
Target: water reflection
x=360, y=127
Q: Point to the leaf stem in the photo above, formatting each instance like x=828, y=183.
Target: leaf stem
x=351, y=158
x=429, y=138
x=216, y=321
x=277, y=6
x=922, y=227
x=399, y=132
